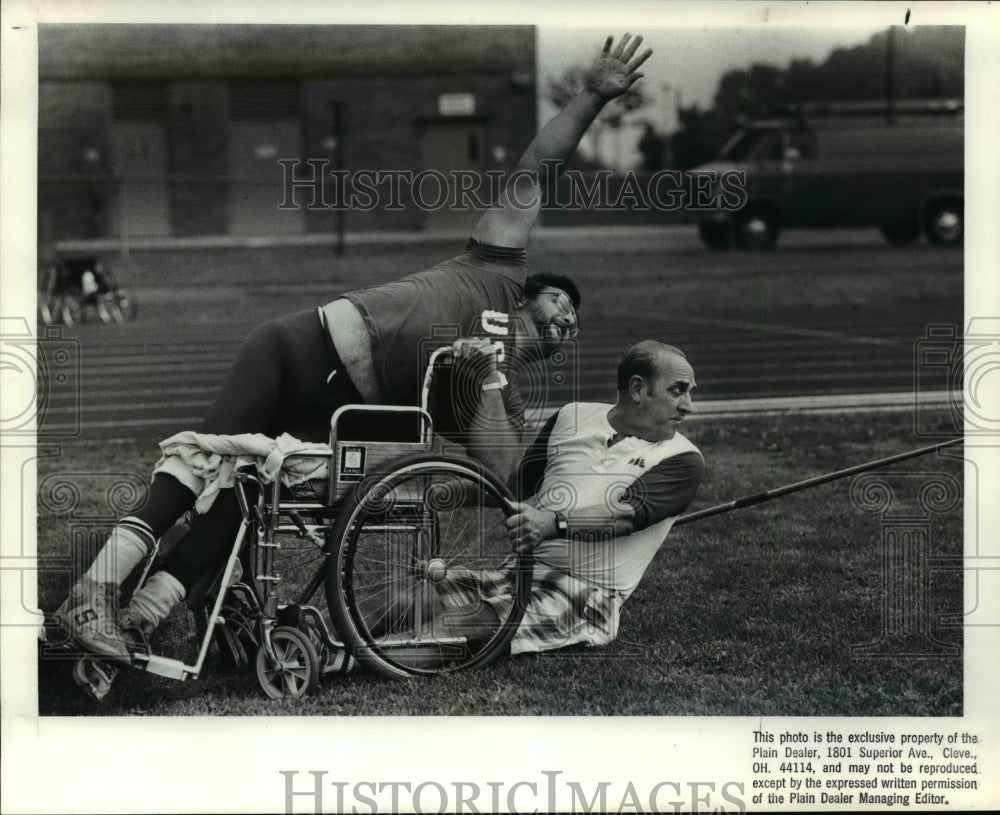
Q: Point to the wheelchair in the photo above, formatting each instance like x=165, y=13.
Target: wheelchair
x=73, y=287
x=398, y=561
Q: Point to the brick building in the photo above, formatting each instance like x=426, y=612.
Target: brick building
x=165, y=131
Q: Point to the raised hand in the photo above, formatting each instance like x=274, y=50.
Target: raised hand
x=614, y=71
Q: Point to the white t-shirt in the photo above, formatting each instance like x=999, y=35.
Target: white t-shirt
x=584, y=471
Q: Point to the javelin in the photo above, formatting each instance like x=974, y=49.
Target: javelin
x=777, y=492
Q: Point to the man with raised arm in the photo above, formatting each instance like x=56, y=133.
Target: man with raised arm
x=366, y=347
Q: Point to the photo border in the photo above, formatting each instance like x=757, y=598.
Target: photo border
x=190, y=764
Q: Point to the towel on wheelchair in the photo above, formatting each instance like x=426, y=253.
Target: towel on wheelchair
x=207, y=463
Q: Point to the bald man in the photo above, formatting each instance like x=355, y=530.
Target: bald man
x=608, y=483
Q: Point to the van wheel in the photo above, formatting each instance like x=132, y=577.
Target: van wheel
x=715, y=236
x=756, y=228
x=901, y=234
x=945, y=223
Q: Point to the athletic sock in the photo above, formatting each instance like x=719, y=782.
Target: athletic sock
x=129, y=542
x=152, y=604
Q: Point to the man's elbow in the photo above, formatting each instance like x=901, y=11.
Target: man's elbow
x=502, y=461
x=505, y=467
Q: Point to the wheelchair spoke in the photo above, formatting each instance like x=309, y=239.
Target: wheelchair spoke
x=299, y=564
x=291, y=684
x=418, y=557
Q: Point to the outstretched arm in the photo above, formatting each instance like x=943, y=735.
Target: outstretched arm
x=490, y=436
x=662, y=492
x=610, y=75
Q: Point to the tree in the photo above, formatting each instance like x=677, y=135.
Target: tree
x=700, y=135
x=653, y=147
x=749, y=94
x=928, y=63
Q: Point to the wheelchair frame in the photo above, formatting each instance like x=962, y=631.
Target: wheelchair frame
x=392, y=488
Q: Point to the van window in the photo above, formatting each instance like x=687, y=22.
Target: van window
x=748, y=144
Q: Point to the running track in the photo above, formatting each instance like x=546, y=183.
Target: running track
x=826, y=313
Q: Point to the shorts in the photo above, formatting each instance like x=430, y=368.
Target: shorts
x=287, y=378
x=562, y=610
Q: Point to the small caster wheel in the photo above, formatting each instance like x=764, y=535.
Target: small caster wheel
x=296, y=672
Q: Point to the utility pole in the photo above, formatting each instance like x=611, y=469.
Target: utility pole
x=890, y=77
x=337, y=132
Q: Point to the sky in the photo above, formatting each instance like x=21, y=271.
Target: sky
x=687, y=62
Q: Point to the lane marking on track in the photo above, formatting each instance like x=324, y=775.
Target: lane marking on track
x=713, y=409
x=722, y=322
x=182, y=422
x=834, y=403
x=57, y=411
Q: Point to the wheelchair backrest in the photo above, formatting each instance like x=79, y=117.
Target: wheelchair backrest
x=365, y=439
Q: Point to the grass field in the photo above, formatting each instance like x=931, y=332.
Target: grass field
x=754, y=612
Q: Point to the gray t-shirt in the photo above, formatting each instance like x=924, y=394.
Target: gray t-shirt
x=473, y=294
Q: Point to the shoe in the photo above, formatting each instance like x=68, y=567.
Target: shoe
x=336, y=660
x=135, y=632
x=88, y=617
x=94, y=677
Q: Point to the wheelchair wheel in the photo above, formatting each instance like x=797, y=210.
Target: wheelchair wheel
x=50, y=309
x=72, y=310
x=424, y=579
x=122, y=306
x=49, y=299
x=296, y=672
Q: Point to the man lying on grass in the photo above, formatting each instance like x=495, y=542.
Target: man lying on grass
x=610, y=479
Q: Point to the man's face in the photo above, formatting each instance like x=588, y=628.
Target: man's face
x=554, y=318
x=666, y=398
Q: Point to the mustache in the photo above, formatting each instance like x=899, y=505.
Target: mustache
x=552, y=330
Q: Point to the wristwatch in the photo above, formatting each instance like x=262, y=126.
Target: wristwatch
x=496, y=384
x=562, y=525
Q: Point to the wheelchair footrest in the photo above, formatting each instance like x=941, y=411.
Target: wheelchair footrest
x=164, y=666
